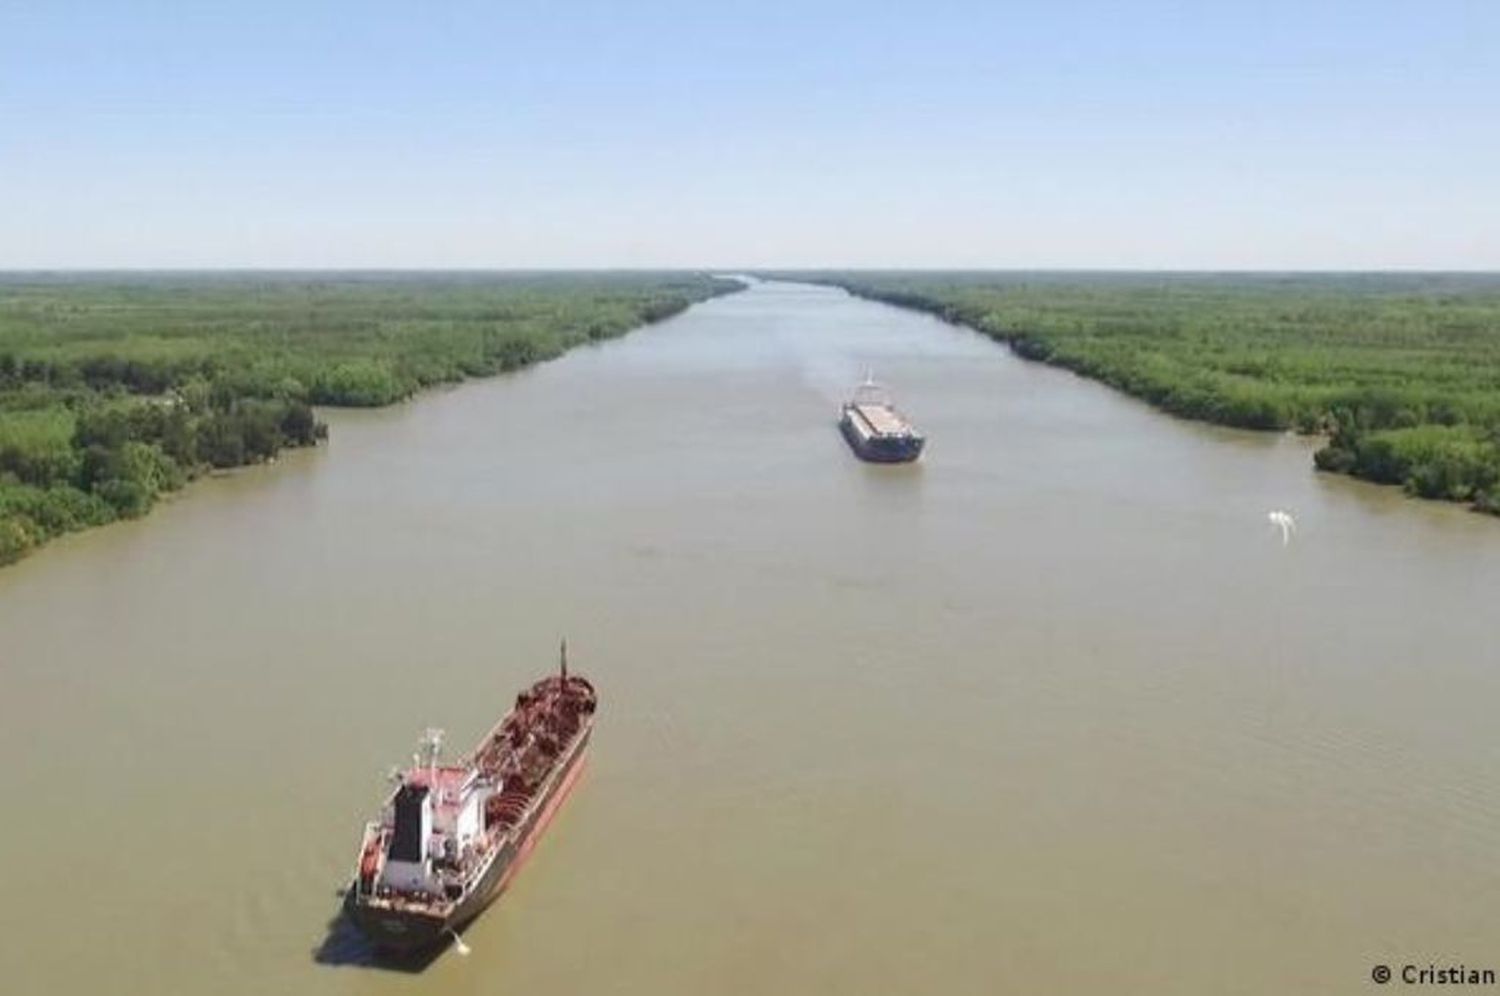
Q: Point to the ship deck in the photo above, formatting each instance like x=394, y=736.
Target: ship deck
x=882, y=419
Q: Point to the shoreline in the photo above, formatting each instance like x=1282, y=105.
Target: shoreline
x=24, y=542
x=1034, y=349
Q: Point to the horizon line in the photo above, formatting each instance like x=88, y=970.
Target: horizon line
x=733, y=270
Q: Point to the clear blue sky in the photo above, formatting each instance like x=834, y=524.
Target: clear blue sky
x=642, y=133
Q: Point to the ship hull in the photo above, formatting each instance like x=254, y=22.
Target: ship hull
x=405, y=932
x=881, y=449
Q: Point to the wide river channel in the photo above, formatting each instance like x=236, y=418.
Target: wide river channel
x=1053, y=711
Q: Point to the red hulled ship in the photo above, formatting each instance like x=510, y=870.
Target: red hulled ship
x=451, y=835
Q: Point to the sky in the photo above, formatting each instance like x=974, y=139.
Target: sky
x=643, y=133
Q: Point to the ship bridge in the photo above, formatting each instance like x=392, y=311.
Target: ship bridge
x=436, y=816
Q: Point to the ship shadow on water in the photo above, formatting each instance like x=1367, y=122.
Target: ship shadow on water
x=345, y=946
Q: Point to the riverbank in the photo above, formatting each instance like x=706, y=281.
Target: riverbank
x=1401, y=373
x=118, y=388
x=1148, y=710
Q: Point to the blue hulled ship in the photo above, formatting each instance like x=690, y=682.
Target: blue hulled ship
x=876, y=430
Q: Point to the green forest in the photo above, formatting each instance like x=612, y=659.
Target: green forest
x=116, y=388
x=1401, y=372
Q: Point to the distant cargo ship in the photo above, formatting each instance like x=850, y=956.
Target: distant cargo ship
x=876, y=431
x=452, y=835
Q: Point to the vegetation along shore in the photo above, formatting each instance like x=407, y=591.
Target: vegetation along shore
x=1401, y=372
x=116, y=388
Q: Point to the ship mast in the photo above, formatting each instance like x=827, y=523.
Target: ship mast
x=432, y=746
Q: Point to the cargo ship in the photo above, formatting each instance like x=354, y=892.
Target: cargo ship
x=451, y=835
x=876, y=431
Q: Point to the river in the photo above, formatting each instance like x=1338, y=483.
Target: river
x=1053, y=711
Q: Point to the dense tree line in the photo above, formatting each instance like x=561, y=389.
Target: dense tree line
x=62, y=470
x=114, y=391
x=1401, y=372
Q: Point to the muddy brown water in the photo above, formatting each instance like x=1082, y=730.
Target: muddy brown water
x=1053, y=711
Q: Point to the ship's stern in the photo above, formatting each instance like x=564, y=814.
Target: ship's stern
x=396, y=932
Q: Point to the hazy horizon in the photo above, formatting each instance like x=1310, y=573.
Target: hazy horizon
x=762, y=272
x=1143, y=136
